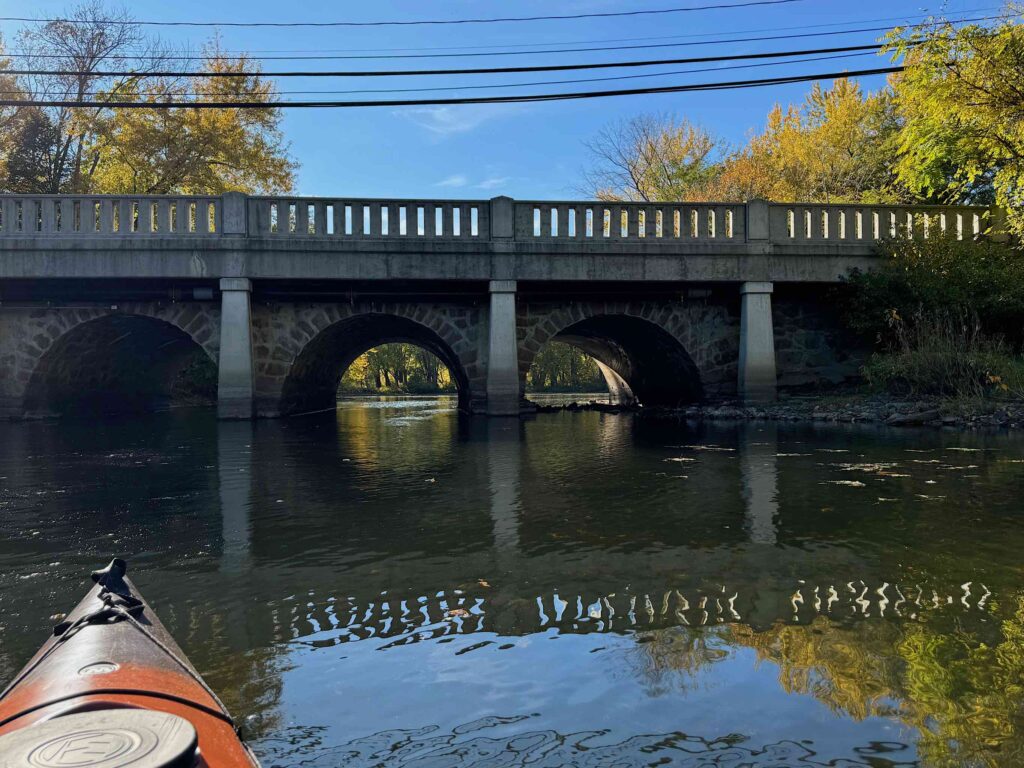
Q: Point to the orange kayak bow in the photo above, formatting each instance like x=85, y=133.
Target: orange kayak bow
x=111, y=689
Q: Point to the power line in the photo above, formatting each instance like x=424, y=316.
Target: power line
x=489, y=85
x=464, y=71
x=321, y=57
x=905, y=19
x=730, y=85
x=417, y=22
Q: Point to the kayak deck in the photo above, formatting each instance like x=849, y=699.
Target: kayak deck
x=113, y=653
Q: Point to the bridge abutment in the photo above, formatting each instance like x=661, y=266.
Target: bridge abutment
x=235, y=380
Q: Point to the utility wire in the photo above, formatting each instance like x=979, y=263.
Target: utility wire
x=735, y=84
x=464, y=71
x=320, y=57
x=489, y=85
x=412, y=23
x=905, y=19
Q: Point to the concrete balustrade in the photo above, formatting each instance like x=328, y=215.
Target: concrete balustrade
x=354, y=218
x=108, y=215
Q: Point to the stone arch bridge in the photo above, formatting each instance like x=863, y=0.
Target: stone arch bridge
x=275, y=297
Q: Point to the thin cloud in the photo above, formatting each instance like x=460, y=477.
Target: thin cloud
x=448, y=121
x=458, y=180
x=494, y=183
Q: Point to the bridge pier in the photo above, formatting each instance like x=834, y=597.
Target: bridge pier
x=502, y=351
x=757, y=379
x=235, y=381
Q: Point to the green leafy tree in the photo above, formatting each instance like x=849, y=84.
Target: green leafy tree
x=961, y=100
x=560, y=367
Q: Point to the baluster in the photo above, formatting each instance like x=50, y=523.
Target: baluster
x=301, y=217
x=698, y=223
x=817, y=223
x=8, y=214
x=106, y=223
x=202, y=217
x=563, y=221
x=163, y=216
x=339, y=217
x=374, y=220
x=125, y=217
x=49, y=215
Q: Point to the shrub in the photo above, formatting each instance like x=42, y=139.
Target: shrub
x=945, y=354
x=980, y=278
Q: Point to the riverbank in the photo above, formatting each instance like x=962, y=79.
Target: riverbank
x=935, y=412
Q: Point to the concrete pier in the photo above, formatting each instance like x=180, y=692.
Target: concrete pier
x=235, y=384
x=757, y=378
x=502, y=351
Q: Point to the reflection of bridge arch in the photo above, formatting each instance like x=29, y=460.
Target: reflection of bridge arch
x=125, y=359
x=300, y=360
x=655, y=353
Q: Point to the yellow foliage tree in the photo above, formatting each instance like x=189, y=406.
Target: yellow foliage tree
x=162, y=150
x=838, y=146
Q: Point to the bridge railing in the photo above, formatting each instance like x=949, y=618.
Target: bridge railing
x=364, y=218
x=695, y=222
x=795, y=222
x=538, y=221
x=106, y=215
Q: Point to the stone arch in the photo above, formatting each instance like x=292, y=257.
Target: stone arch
x=665, y=353
x=301, y=351
x=113, y=358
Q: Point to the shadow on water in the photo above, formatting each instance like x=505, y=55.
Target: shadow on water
x=390, y=584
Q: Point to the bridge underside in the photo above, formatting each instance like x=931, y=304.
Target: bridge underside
x=312, y=383
x=120, y=363
x=654, y=367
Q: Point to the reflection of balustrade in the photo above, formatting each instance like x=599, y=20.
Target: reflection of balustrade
x=411, y=620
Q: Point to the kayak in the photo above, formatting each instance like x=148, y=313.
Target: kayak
x=111, y=689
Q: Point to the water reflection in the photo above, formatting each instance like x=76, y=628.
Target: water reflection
x=366, y=584
x=760, y=476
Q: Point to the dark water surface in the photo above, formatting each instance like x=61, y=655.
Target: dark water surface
x=396, y=586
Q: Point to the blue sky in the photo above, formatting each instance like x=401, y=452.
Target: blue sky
x=528, y=151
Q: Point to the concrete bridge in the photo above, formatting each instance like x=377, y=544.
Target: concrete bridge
x=676, y=301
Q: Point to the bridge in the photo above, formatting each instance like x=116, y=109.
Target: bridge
x=276, y=296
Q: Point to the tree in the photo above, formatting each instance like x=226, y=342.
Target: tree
x=560, y=367
x=30, y=154
x=962, y=103
x=138, y=150
x=159, y=150
x=651, y=158
x=81, y=43
x=838, y=146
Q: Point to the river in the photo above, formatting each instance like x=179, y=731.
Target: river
x=393, y=585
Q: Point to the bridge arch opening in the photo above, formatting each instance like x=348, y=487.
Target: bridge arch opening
x=641, y=363
x=313, y=380
x=121, y=363
x=397, y=369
